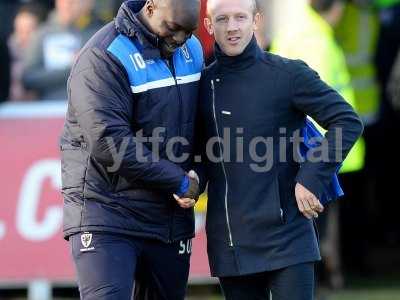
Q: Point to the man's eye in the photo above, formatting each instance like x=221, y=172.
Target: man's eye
x=222, y=19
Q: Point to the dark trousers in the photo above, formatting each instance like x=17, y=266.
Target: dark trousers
x=291, y=283
x=111, y=266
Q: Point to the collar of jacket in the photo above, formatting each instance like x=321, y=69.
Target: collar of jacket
x=129, y=24
x=240, y=62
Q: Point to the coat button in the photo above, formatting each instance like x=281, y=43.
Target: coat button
x=217, y=80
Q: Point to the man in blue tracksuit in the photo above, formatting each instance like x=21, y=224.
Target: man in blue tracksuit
x=133, y=88
x=261, y=198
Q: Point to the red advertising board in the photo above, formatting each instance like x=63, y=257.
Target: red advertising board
x=31, y=242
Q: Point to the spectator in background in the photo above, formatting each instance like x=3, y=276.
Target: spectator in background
x=107, y=9
x=25, y=24
x=310, y=37
x=389, y=37
x=394, y=85
x=55, y=46
x=4, y=70
x=7, y=13
x=263, y=32
x=357, y=34
x=387, y=221
x=9, y=8
x=206, y=39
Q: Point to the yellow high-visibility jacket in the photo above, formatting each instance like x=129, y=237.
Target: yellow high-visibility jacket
x=310, y=38
x=359, y=44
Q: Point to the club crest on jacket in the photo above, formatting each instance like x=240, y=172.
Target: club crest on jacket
x=86, y=239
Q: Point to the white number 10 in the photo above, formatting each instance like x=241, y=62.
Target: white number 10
x=137, y=61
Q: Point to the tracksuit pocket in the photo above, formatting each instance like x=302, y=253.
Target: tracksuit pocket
x=74, y=162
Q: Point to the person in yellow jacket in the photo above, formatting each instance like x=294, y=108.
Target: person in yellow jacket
x=359, y=45
x=310, y=37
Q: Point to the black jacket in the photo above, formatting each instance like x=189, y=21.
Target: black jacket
x=5, y=70
x=114, y=93
x=253, y=223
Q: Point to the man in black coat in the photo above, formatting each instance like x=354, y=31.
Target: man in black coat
x=262, y=195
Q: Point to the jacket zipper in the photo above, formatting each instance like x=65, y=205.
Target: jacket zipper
x=223, y=167
x=171, y=67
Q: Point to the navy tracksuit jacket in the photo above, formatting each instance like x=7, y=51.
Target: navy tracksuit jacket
x=120, y=87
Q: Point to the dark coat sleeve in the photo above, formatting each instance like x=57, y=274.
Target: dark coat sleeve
x=315, y=98
x=4, y=70
x=101, y=98
x=200, y=155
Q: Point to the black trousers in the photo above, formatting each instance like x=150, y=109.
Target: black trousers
x=120, y=267
x=291, y=283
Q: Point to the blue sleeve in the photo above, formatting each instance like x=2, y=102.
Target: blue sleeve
x=184, y=186
x=312, y=138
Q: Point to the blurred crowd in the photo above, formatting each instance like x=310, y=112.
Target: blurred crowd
x=354, y=45
x=39, y=40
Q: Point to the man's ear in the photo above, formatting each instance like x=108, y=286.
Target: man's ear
x=208, y=25
x=258, y=19
x=149, y=8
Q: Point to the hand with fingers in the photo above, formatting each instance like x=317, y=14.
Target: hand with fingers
x=185, y=202
x=188, y=200
x=307, y=203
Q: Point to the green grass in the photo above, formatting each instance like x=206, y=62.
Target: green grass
x=380, y=293
x=375, y=294
x=344, y=295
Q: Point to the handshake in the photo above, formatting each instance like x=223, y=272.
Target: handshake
x=189, y=198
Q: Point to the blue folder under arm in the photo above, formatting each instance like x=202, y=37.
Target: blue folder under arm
x=312, y=138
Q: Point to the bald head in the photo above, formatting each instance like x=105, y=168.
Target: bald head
x=173, y=21
x=187, y=6
x=189, y=9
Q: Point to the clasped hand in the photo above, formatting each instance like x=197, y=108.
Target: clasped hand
x=188, y=200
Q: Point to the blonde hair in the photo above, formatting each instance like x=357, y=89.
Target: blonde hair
x=254, y=5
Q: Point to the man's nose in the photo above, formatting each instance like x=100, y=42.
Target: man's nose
x=232, y=25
